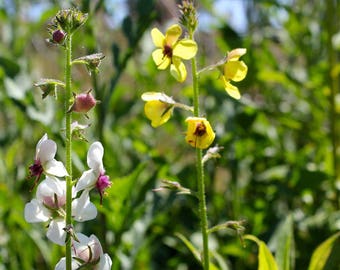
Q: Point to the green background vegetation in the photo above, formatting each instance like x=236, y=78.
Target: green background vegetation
x=278, y=166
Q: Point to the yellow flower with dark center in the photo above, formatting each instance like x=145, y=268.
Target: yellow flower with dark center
x=234, y=70
x=171, y=50
x=199, y=133
x=158, y=107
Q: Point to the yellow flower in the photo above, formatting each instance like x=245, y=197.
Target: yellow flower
x=158, y=107
x=171, y=50
x=199, y=133
x=234, y=70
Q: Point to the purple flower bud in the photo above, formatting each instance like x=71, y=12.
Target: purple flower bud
x=83, y=103
x=58, y=36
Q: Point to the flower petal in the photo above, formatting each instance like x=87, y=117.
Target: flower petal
x=56, y=168
x=56, y=232
x=231, y=89
x=199, y=133
x=172, y=34
x=95, y=156
x=61, y=265
x=149, y=96
x=235, y=54
x=83, y=209
x=105, y=262
x=87, y=180
x=46, y=151
x=161, y=61
x=158, y=112
x=36, y=212
x=51, y=187
x=178, y=70
x=185, y=49
x=157, y=37
x=235, y=70
x=37, y=149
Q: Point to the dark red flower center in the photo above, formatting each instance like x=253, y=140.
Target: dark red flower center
x=167, y=51
x=36, y=171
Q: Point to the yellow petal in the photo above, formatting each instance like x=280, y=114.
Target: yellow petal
x=231, y=89
x=235, y=70
x=172, y=34
x=158, y=112
x=199, y=133
x=157, y=37
x=178, y=70
x=185, y=49
x=149, y=96
x=161, y=61
x=235, y=54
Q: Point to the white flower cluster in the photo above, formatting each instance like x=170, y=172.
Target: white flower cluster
x=49, y=205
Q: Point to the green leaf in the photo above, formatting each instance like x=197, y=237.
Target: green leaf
x=190, y=246
x=194, y=250
x=265, y=257
x=322, y=253
x=283, y=240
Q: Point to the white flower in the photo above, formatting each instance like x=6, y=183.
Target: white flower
x=49, y=206
x=44, y=161
x=51, y=198
x=95, y=177
x=88, y=251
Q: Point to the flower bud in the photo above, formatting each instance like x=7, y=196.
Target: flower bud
x=58, y=36
x=83, y=103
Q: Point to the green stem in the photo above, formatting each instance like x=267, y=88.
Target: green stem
x=68, y=94
x=200, y=171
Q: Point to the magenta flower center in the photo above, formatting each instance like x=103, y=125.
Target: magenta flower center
x=102, y=183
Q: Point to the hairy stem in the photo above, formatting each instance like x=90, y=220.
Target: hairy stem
x=200, y=172
x=68, y=116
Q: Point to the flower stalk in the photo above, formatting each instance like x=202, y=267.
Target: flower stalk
x=68, y=116
x=199, y=168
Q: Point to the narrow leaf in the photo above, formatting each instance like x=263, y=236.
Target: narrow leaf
x=322, y=253
x=265, y=257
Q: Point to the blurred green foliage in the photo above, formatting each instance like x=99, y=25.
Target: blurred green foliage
x=278, y=166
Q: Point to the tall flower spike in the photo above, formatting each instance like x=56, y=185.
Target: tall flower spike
x=171, y=50
x=95, y=177
x=199, y=133
x=234, y=70
x=44, y=161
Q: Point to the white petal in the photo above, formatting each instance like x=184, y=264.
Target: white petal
x=105, y=263
x=87, y=180
x=61, y=265
x=47, y=150
x=83, y=209
x=37, y=148
x=56, y=168
x=95, y=156
x=49, y=187
x=81, y=249
x=36, y=212
x=55, y=231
